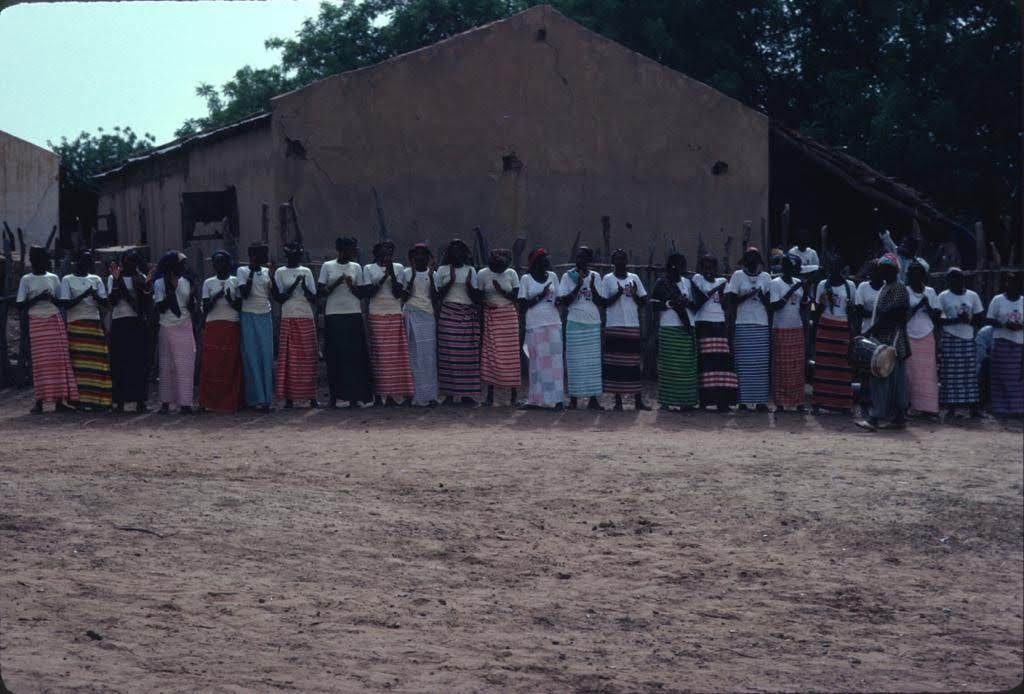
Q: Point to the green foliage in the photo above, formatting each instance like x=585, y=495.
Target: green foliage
x=89, y=154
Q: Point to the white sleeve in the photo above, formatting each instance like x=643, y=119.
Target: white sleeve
x=323, y=274
x=101, y=289
x=513, y=279
x=933, y=299
x=64, y=292
x=993, y=308
x=206, y=290
x=732, y=287
x=976, y=305
x=22, y=289
x=109, y=284
x=159, y=292
x=640, y=290
x=310, y=282
x=819, y=294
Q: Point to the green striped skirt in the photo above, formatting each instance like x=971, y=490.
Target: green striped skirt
x=677, y=367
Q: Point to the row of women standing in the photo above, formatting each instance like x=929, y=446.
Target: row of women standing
x=720, y=342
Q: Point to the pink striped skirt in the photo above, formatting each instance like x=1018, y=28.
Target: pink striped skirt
x=177, y=349
x=922, y=375
x=389, y=355
x=499, y=355
x=52, y=375
x=296, y=360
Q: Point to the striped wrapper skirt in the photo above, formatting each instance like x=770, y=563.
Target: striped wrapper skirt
x=833, y=375
x=422, y=330
x=621, y=361
x=129, y=359
x=348, y=361
x=389, y=354
x=458, y=350
x=52, y=376
x=295, y=378
x=547, y=374
x=718, y=381
x=922, y=375
x=177, y=346
x=221, y=385
x=677, y=367
x=958, y=371
x=499, y=356
x=90, y=360
x=788, y=367
x=1007, y=376
x=751, y=348
x=583, y=359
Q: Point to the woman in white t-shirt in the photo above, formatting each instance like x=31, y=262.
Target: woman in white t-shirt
x=254, y=281
x=129, y=294
x=348, y=360
x=458, y=326
x=622, y=293
x=83, y=294
x=962, y=310
x=787, y=297
x=221, y=384
x=538, y=297
x=833, y=374
x=389, y=345
x=922, y=366
x=172, y=295
x=677, y=353
x=39, y=294
x=1006, y=316
x=748, y=295
x=866, y=296
x=577, y=290
x=420, y=324
x=499, y=353
x=295, y=289
x=718, y=384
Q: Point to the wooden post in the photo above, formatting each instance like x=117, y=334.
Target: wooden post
x=606, y=237
x=748, y=228
x=784, y=232
x=766, y=252
x=981, y=250
x=265, y=223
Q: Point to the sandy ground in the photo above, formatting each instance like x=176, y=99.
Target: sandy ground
x=494, y=550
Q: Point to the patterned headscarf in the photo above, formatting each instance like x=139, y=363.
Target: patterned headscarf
x=889, y=259
x=537, y=253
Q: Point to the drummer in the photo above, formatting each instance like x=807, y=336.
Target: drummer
x=889, y=395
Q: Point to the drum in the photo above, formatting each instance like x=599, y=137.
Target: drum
x=862, y=349
x=884, y=361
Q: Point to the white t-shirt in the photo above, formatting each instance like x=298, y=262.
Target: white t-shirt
x=623, y=313
x=839, y=297
x=457, y=294
x=508, y=280
x=86, y=309
x=259, y=292
x=711, y=311
x=865, y=297
x=182, y=292
x=669, y=317
x=341, y=300
x=545, y=312
x=751, y=311
x=808, y=259
x=384, y=301
x=222, y=310
x=1005, y=311
x=920, y=324
x=32, y=285
x=297, y=305
x=582, y=309
x=955, y=305
x=419, y=289
x=122, y=309
x=789, y=315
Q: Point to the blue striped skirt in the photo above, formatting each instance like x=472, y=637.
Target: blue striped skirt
x=958, y=371
x=583, y=358
x=752, y=350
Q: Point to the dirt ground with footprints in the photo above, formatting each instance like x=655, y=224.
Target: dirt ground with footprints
x=457, y=549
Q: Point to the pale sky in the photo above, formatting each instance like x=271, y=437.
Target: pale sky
x=68, y=67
